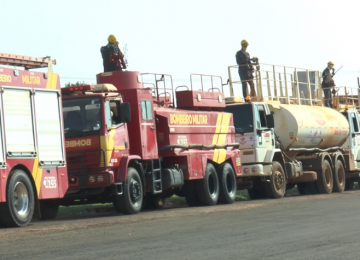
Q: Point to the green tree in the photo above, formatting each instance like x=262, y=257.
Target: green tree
x=77, y=83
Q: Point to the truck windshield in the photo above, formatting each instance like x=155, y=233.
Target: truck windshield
x=243, y=117
x=82, y=117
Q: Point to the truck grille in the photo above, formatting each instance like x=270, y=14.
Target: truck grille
x=81, y=163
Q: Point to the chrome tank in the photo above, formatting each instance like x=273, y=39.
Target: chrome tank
x=302, y=126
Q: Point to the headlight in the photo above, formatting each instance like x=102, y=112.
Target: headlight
x=253, y=170
x=246, y=170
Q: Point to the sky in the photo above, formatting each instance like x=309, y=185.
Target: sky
x=184, y=37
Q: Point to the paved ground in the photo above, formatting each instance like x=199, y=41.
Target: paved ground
x=309, y=227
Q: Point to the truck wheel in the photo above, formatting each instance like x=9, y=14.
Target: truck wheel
x=307, y=188
x=131, y=200
x=152, y=201
x=339, y=177
x=208, y=188
x=48, y=209
x=256, y=194
x=190, y=194
x=18, y=209
x=325, y=180
x=227, y=179
x=276, y=188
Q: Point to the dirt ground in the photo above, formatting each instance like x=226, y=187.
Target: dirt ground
x=306, y=227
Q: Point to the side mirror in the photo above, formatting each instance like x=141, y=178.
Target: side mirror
x=125, y=112
x=270, y=121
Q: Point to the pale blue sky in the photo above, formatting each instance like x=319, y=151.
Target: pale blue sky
x=183, y=37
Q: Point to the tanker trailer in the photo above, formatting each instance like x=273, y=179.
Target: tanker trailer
x=290, y=144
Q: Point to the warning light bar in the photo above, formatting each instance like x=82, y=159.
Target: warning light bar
x=89, y=88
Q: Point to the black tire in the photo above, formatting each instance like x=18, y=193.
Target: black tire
x=349, y=185
x=339, y=177
x=276, y=188
x=130, y=202
x=190, y=194
x=307, y=188
x=325, y=181
x=256, y=194
x=48, y=209
x=228, y=186
x=208, y=187
x=153, y=201
x=18, y=209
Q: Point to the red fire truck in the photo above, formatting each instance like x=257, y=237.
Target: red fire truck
x=140, y=158
x=33, y=172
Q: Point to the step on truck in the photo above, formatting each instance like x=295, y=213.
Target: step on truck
x=288, y=137
x=137, y=160
x=33, y=174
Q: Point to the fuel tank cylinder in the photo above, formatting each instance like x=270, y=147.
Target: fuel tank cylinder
x=301, y=126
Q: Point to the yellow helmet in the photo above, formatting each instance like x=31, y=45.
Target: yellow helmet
x=112, y=38
x=244, y=42
x=330, y=63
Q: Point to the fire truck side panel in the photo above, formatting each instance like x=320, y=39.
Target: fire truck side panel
x=32, y=132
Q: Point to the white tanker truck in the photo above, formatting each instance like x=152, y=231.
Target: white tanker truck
x=300, y=142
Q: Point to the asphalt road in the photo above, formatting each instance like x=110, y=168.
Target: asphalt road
x=308, y=227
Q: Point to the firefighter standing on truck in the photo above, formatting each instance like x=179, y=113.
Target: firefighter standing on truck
x=245, y=69
x=111, y=54
x=328, y=83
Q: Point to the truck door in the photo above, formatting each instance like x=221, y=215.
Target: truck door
x=355, y=137
x=148, y=128
x=265, y=136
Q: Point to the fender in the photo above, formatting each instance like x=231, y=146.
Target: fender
x=123, y=167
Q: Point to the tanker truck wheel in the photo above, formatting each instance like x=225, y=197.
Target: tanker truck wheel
x=131, y=200
x=276, y=188
x=228, y=184
x=339, y=177
x=325, y=180
x=18, y=209
x=208, y=187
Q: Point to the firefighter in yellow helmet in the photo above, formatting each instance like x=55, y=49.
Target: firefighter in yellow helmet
x=328, y=83
x=112, y=54
x=245, y=69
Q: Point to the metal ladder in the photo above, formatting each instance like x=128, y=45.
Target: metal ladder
x=156, y=176
x=27, y=62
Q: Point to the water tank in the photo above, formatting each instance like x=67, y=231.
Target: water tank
x=301, y=126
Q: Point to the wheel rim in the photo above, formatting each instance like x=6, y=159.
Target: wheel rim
x=135, y=191
x=212, y=186
x=279, y=181
x=229, y=184
x=328, y=177
x=21, y=199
